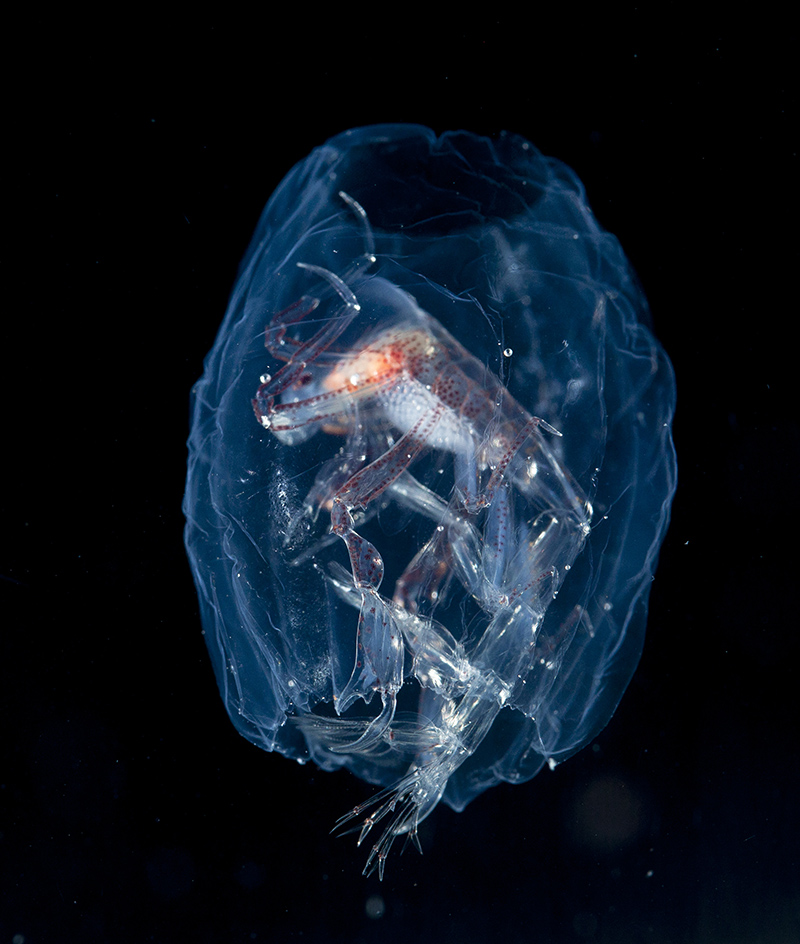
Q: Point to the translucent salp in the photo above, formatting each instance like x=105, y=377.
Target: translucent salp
x=430, y=469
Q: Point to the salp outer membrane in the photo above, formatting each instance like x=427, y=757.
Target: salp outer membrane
x=430, y=469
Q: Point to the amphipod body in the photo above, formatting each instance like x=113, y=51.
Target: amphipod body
x=507, y=527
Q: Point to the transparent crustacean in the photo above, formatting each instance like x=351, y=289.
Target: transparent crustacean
x=506, y=525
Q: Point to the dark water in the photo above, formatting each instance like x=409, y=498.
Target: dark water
x=132, y=809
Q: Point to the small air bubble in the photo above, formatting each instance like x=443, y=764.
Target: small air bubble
x=508, y=352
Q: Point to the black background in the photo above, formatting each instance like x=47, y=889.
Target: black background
x=142, y=154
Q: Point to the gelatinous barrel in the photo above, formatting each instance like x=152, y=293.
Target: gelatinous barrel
x=430, y=469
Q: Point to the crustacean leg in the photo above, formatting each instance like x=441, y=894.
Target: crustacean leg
x=297, y=354
x=306, y=353
x=379, y=663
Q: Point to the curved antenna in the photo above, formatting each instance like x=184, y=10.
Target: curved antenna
x=368, y=257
